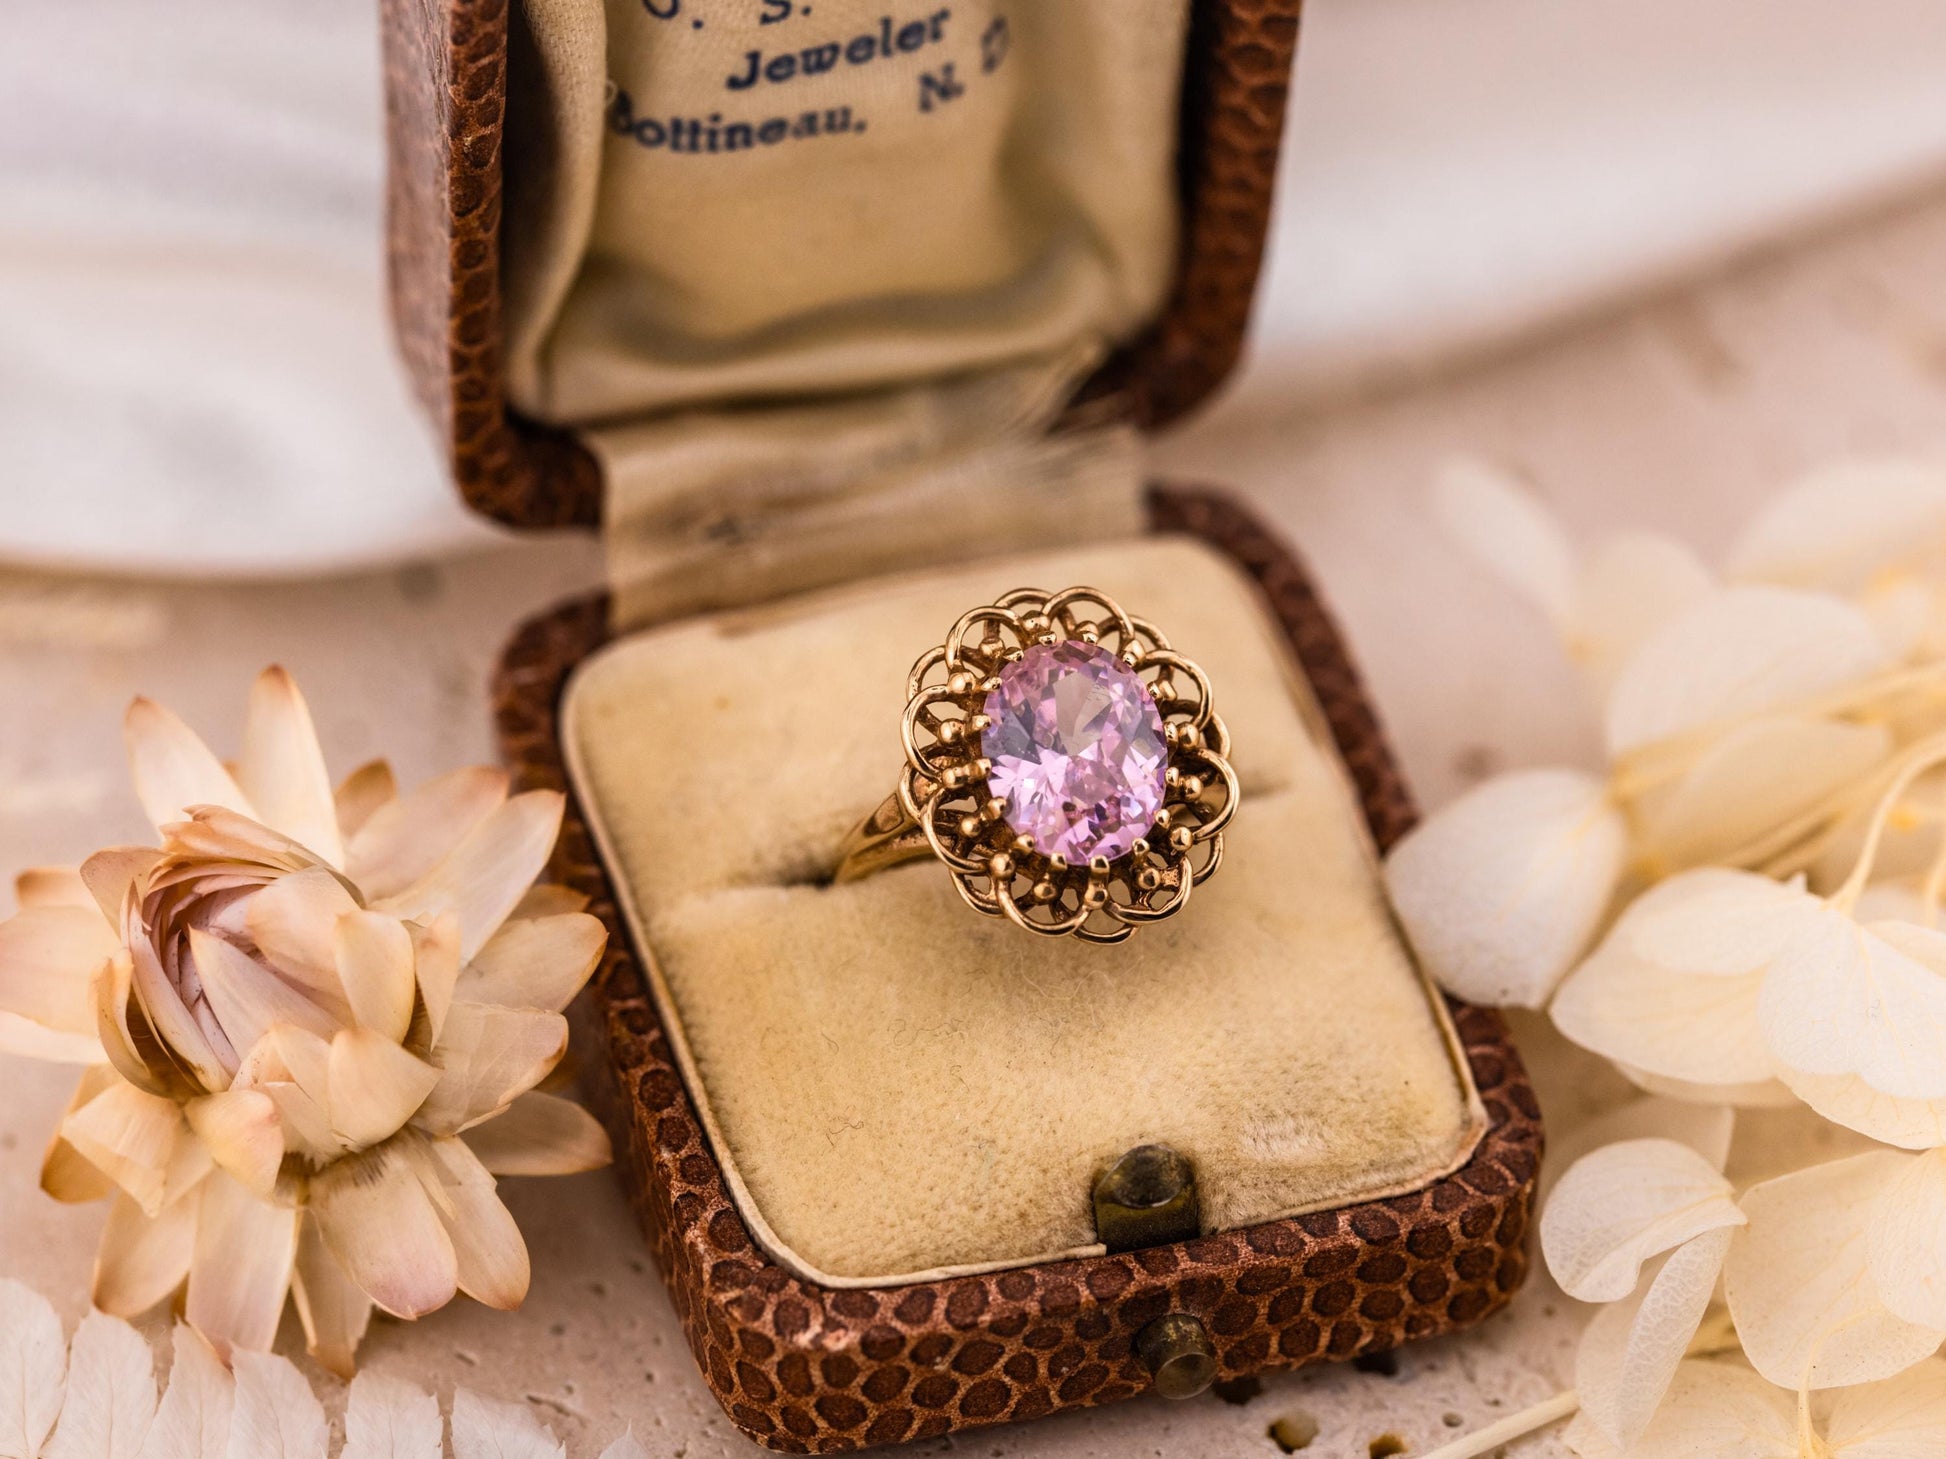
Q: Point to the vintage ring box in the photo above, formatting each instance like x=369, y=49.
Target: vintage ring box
x=837, y=317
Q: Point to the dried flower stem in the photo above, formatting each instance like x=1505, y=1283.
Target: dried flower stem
x=1916, y=761
x=1514, y=1426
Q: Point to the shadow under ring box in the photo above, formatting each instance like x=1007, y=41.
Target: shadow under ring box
x=836, y=319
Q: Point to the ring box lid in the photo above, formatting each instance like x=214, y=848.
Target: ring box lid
x=447, y=73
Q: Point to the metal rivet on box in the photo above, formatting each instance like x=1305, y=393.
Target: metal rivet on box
x=1178, y=1354
x=1147, y=1198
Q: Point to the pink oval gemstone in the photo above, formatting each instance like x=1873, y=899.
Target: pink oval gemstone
x=1077, y=751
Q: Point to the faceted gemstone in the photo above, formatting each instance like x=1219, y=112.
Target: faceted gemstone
x=1077, y=751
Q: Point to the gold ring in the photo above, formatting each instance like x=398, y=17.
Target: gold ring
x=1065, y=764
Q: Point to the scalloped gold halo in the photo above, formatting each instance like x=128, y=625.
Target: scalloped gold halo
x=946, y=806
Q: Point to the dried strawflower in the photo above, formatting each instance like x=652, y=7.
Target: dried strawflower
x=314, y=1022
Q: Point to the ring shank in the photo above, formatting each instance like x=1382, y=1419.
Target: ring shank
x=886, y=838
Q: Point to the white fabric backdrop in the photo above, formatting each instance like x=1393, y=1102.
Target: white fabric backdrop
x=195, y=376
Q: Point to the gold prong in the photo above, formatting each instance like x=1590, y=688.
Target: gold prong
x=977, y=723
x=961, y=683
x=1141, y=850
x=1188, y=737
x=951, y=730
x=1058, y=865
x=1098, y=866
x=1024, y=845
x=1172, y=777
x=1094, y=896
x=1162, y=819
x=1044, y=891
x=1148, y=878
x=1182, y=838
x=1001, y=866
x=970, y=827
x=992, y=808
x=1192, y=786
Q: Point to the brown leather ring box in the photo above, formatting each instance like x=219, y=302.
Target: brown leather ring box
x=803, y=1367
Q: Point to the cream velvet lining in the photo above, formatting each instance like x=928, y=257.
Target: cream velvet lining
x=898, y=1088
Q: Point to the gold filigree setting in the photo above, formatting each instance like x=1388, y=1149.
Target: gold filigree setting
x=945, y=807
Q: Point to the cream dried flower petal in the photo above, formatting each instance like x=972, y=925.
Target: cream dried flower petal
x=1501, y=890
x=109, y=874
x=488, y=1057
x=282, y=771
x=375, y=1086
x=1625, y=1203
x=436, y=965
x=374, y=958
x=1714, y=1410
x=406, y=839
x=484, y=877
x=1737, y=652
x=66, y=1174
x=380, y=1224
x=491, y=1256
x=1901, y=1418
x=294, y=923
x=1758, y=776
x=1845, y=524
x=30, y=1040
x=241, y=1270
x=1631, y=1348
x=248, y=997
x=361, y=795
x=52, y=886
x=48, y=955
x=547, y=900
x=333, y=1309
x=1630, y=586
x=1759, y=1094
x=143, y=1258
x=1799, y=1284
x=540, y=962
x=540, y=1134
x=1906, y=1242
x=173, y=770
x=1870, y=1001
x=140, y=1142
x=1846, y=1099
x=1506, y=527
x=1672, y=989
x=244, y=1135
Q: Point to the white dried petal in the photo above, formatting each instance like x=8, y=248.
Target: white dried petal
x=1757, y=777
x=1846, y=1099
x=1507, y=529
x=1901, y=1418
x=389, y=1418
x=111, y=1392
x=241, y=1269
x=1759, y=1094
x=282, y=769
x=1672, y=990
x=1630, y=1350
x=1704, y=1128
x=1845, y=524
x=1629, y=587
x=1906, y=1242
x=1501, y=890
x=1714, y=1410
x=1799, y=1282
x=1740, y=651
x=1625, y=1203
x=1870, y=1001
